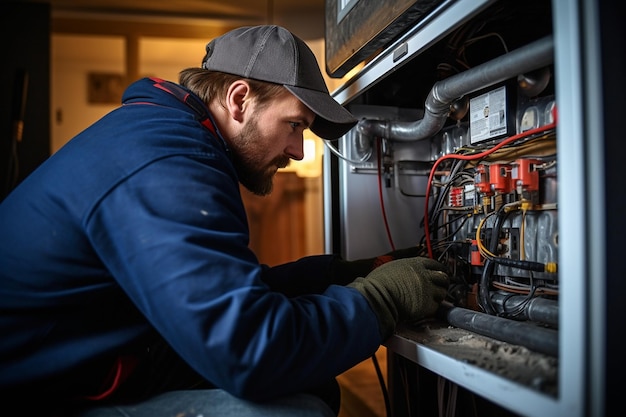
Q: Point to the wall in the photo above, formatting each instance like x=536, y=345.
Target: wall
x=74, y=57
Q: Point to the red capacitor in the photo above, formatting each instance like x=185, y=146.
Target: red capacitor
x=481, y=179
x=526, y=175
x=500, y=178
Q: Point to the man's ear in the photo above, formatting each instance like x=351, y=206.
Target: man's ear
x=238, y=99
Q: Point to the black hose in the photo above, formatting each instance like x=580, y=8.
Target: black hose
x=537, y=309
x=529, y=335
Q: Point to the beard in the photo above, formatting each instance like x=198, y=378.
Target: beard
x=249, y=156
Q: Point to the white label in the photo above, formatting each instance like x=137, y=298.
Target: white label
x=488, y=115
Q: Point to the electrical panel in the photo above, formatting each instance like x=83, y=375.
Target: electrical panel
x=459, y=149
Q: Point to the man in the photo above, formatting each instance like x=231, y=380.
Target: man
x=126, y=283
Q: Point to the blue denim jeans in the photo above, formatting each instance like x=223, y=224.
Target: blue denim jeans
x=214, y=403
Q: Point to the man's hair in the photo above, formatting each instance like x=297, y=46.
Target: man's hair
x=212, y=85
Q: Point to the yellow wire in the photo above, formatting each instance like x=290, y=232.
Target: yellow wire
x=481, y=248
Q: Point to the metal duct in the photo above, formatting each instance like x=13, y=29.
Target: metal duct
x=437, y=107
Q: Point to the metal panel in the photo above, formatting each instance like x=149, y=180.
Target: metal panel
x=581, y=323
x=357, y=29
x=437, y=24
x=362, y=212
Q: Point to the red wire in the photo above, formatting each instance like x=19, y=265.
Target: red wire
x=380, y=194
x=469, y=158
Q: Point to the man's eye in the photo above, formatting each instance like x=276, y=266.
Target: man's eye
x=294, y=124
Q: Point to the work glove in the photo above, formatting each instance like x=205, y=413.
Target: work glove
x=343, y=272
x=404, y=290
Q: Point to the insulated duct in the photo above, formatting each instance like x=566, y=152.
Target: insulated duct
x=437, y=107
x=536, y=309
x=529, y=335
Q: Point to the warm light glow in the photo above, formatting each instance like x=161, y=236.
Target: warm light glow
x=309, y=150
x=311, y=163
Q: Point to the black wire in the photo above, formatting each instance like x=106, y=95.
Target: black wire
x=437, y=198
x=484, y=299
x=464, y=217
x=441, y=241
x=436, y=207
x=435, y=210
x=383, y=387
x=456, y=179
x=521, y=306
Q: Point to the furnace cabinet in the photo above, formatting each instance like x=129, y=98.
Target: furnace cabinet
x=489, y=134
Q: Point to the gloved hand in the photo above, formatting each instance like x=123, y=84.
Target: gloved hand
x=343, y=272
x=404, y=290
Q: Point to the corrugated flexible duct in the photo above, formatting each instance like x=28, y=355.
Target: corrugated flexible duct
x=437, y=107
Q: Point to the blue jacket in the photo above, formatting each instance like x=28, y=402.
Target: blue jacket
x=135, y=228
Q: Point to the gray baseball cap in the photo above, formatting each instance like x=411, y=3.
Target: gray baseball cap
x=273, y=54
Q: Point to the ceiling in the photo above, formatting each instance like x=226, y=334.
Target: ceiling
x=195, y=9
x=177, y=17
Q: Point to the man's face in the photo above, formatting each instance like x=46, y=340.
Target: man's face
x=270, y=137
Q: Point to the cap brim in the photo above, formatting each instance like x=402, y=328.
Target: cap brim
x=332, y=120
